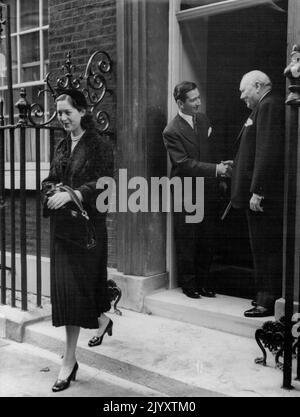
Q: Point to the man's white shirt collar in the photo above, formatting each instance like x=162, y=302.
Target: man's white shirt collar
x=187, y=118
x=190, y=121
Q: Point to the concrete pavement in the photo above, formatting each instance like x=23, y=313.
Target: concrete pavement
x=172, y=357
x=158, y=355
x=28, y=371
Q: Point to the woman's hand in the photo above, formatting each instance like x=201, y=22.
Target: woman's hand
x=58, y=200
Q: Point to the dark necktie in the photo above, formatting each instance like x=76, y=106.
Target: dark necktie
x=195, y=124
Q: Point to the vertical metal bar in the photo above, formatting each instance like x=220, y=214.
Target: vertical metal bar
x=9, y=67
x=38, y=217
x=12, y=216
x=2, y=209
x=290, y=218
x=10, y=107
x=12, y=159
x=51, y=144
x=23, y=218
x=51, y=219
x=298, y=344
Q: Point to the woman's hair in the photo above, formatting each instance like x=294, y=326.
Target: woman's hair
x=78, y=101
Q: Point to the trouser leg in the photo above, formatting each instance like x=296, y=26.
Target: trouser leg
x=265, y=232
x=205, y=249
x=185, y=243
x=195, y=247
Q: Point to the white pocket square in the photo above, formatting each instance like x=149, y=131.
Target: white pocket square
x=249, y=122
x=209, y=132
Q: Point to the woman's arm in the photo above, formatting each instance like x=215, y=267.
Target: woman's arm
x=100, y=166
x=52, y=177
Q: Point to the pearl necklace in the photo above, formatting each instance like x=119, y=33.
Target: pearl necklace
x=75, y=140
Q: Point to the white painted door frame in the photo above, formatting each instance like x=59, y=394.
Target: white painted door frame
x=176, y=68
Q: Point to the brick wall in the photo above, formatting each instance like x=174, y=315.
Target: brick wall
x=82, y=27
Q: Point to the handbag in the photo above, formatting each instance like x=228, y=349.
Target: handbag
x=72, y=223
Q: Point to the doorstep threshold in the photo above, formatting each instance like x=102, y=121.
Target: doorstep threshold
x=224, y=313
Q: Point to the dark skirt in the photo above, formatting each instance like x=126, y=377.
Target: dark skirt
x=79, y=282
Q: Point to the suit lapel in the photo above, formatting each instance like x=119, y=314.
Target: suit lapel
x=187, y=131
x=251, y=116
x=238, y=138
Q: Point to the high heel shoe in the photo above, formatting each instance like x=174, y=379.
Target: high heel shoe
x=97, y=340
x=61, y=384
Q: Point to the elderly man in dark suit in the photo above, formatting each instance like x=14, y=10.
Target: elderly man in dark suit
x=189, y=143
x=257, y=186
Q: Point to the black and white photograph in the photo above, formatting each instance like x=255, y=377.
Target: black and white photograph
x=149, y=201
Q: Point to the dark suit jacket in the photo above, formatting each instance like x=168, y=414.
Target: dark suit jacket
x=258, y=166
x=190, y=153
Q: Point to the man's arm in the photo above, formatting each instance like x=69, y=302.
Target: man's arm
x=186, y=165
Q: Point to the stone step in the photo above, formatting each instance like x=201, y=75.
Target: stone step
x=223, y=313
x=174, y=358
x=128, y=355
x=29, y=371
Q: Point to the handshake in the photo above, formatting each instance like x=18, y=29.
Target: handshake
x=224, y=169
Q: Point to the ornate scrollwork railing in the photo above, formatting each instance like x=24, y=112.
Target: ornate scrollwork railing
x=2, y=21
x=271, y=336
x=98, y=66
x=93, y=84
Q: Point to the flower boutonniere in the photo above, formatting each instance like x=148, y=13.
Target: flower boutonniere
x=249, y=122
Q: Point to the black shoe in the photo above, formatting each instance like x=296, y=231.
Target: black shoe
x=191, y=293
x=61, y=384
x=206, y=292
x=97, y=340
x=258, y=311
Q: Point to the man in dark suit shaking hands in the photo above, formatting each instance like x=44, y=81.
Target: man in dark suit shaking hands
x=188, y=141
x=257, y=186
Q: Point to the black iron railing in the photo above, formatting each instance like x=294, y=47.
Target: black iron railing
x=19, y=130
x=32, y=117
x=282, y=337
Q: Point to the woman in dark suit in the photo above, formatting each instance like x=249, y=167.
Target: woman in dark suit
x=79, y=280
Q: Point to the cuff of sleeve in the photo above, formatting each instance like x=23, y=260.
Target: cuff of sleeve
x=79, y=195
x=84, y=191
x=257, y=189
x=258, y=196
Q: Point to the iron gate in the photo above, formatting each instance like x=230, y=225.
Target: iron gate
x=9, y=135
x=43, y=129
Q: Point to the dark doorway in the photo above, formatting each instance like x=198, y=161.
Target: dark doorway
x=238, y=42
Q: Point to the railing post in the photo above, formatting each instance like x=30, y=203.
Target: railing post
x=23, y=107
x=12, y=159
x=293, y=101
x=12, y=216
x=52, y=139
x=6, y=21
x=2, y=209
x=38, y=215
